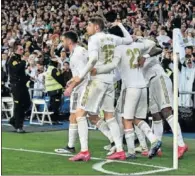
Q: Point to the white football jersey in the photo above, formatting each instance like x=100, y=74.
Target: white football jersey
x=131, y=74
x=126, y=60
x=101, y=50
x=78, y=60
x=152, y=67
x=105, y=45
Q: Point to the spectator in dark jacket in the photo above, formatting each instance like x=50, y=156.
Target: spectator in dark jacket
x=67, y=72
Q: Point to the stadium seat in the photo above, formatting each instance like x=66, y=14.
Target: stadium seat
x=41, y=116
x=7, y=106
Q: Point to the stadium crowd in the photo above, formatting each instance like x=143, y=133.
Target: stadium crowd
x=38, y=26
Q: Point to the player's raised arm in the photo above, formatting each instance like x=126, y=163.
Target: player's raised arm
x=148, y=48
x=127, y=39
x=111, y=66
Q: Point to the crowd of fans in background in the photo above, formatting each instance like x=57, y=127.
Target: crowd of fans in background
x=39, y=24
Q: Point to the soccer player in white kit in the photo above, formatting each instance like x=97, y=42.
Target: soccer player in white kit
x=78, y=60
x=161, y=99
x=99, y=92
x=134, y=95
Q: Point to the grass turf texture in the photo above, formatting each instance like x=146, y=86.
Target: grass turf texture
x=26, y=163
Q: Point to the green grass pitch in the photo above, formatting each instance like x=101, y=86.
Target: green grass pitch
x=48, y=163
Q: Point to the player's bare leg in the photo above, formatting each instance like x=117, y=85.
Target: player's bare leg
x=155, y=143
x=84, y=155
x=167, y=114
x=115, y=132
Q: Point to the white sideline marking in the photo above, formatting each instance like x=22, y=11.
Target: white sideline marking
x=98, y=166
x=93, y=158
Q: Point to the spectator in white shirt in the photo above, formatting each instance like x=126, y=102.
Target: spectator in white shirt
x=187, y=77
x=39, y=83
x=62, y=59
x=163, y=38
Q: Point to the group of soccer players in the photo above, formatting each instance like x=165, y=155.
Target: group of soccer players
x=92, y=89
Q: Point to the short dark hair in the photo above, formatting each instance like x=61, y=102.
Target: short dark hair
x=98, y=21
x=15, y=46
x=111, y=16
x=116, y=30
x=189, y=47
x=67, y=63
x=72, y=36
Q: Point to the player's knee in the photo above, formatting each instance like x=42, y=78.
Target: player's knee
x=127, y=123
x=156, y=116
x=136, y=121
x=72, y=118
x=94, y=119
x=166, y=112
x=108, y=115
x=80, y=113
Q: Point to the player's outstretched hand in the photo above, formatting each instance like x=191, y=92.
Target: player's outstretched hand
x=93, y=72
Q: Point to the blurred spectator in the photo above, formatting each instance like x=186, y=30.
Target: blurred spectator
x=67, y=72
x=163, y=39
x=189, y=50
x=186, y=80
x=62, y=59
x=39, y=82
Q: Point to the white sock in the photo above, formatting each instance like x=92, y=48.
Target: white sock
x=115, y=132
x=118, y=117
x=158, y=129
x=180, y=137
x=147, y=131
x=130, y=137
x=141, y=137
x=83, y=133
x=72, y=135
x=103, y=127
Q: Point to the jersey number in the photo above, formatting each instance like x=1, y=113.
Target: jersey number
x=108, y=51
x=134, y=55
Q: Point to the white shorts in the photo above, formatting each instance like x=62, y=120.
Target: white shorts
x=160, y=93
x=133, y=103
x=75, y=98
x=98, y=95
